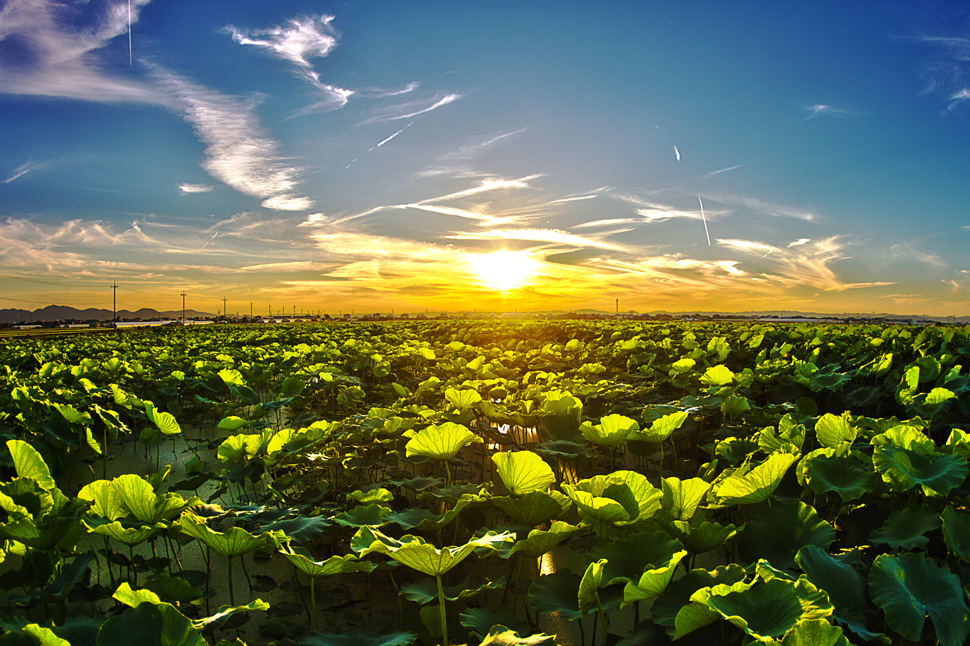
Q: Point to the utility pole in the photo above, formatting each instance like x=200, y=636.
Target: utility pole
x=183, y=309
x=114, y=302
x=250, y=310
x=225, y=312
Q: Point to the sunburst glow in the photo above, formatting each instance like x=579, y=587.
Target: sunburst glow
x=503, y=270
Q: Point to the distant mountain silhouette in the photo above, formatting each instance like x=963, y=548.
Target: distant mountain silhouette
x=63, y=313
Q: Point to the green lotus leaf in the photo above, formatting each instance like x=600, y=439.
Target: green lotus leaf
x=462, y=399
x=126, y=535
x=149, y=624
x=479, y=621
x=564, y=449
x=41, y=635
x=29, y=464
x=535, y=508
x=733, y=405
x=835, y=432
x=164, y=422
x=644, y=562
x=814, y=632
x=616, y=501
x=232, y=377
x=682, y=497
x=909, y=587
x=717, y=376
x=415, y=553
x=789, y=434
x=906, y=528
x=71, y=415
x=107, y=500
x=956, y=532
x=334, y=565
x=557, y=592
x=541, y=541
x=768, y=610
x=172, y=589
x=372, y=514
x=678, y=593
x=144, y=504
x=612, y=431
x=232, y=423
x=846, y=476
x=235, y=541
x=25, y=499
x=355, y=637
x=903, y=469
x=681, y=366
x=374, y=495
x=905, y=436
x=757, y=484
x=502, y=636
x=523, y=472
x=845, y=586
x=696, y=613
x=780, y=532
x=292, y=386
x=424, y=520
x=133, y=598
x=661, y=428
x=589, y=585
x=699, y=535
x=301, y=529
x=441, y=442
x=425, y=590
x=225, y=612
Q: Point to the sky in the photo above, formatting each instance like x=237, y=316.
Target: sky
x=373, y=156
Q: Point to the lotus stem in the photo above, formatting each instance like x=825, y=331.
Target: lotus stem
x=441, y=611
x=232, y=595
x=313, y=604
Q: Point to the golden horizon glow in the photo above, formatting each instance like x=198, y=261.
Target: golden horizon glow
x=503, y=270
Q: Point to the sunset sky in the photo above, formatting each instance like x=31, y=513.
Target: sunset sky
x=367, y=155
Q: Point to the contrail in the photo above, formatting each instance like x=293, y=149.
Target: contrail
x=677, y=153
x=129, y=34
x=209, y=240
x=391, y=137
x=704, y=217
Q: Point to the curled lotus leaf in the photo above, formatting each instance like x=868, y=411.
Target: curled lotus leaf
x=617, y=501
x=441, y=442
x=523, y=472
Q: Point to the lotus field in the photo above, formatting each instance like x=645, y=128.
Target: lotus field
x=487, y=482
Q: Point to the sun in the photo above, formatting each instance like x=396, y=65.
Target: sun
x=503, y=270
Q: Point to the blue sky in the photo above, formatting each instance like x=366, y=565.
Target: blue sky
x=491, y=156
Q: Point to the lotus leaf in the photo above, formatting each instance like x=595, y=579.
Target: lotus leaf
x=150, y=625
x=615, y=502
x=301, y=529
x=374, y=495
x=700, y=536
x=425, y=591
x=143, y=504
x=661, y=428
x=29, y=463
x=789, y=433
x=845, y=586
x=126, y=535
x=172, y=589
x=355, y=637
x=909, y=587
x=956, y=532
x=612, y=431
x=462, y=399
x=107, y=501
x=164, y=422
x=644, y=562
x=778, y=533
x=682, y=497
x=835, y=432
x=523, y=472
x=479, y=621
x=232, y=423
x=541, y=541
x=767, y=610
x=757, y=484
x=334, y=565
x=235, y=541
x=415, y=553
x=822, y=472
x=906, y=528
x=697, y=613
x=361, y=515
x=441, y=442
x=814, y=632
x=717, y=376
x=903, y=469
x=534, y=508
x=678, y=593
x=41, y=635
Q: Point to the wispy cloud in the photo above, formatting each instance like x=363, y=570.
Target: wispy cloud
x=412, y=109
x=549, y=236
x=714, y=173
x=45, y=53
x=188, y=189
x=810, y=263
x=23, y=169
x=299, y=41
x=238, y=153
x=825, y=110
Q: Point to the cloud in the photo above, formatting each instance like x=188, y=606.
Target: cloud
x=550, y=236
x=45, y=52
x=762, y=206
x=237, y=152
x=23, y=169
x=195, y=188
x=825, y=110
x=809, y=263
x=412, y=109
x=299, y=41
